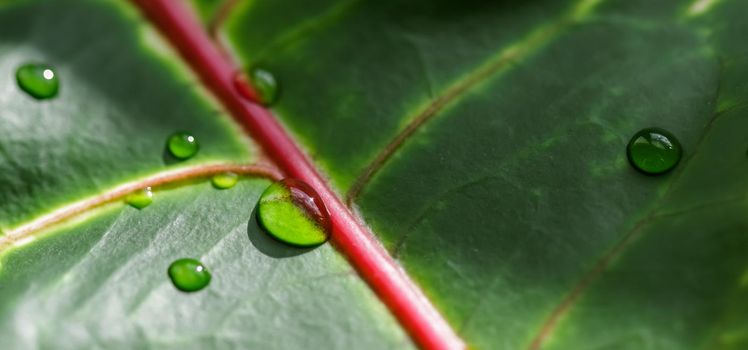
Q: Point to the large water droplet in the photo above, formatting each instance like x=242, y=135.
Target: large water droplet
x=183, y=145
x=265, y=84
x=654, y=151
x=141, y=198
x=224, y=180
x=38, y=80
x=292, y=212
x=189, y=275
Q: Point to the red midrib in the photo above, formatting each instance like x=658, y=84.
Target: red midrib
x=406, y=301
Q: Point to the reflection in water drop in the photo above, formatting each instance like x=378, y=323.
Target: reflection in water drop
x=292, y=212
x=38, y=80
x=264, y=87
x=141, y=198
x=183, y=145
x=189, y=275
x=654, y=151
x=224, y=180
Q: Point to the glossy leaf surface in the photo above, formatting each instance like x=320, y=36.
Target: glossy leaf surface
x=104, y=283
x=122, y=93
x=100, y=280
x=512, y=203
x=484, y=143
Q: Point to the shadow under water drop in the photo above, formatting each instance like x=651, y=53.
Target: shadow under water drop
x=269, y=245
x=168, y=158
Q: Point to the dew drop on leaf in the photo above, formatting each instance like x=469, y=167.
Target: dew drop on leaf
x=38, y=80
x=654, y=151
x=224, y=180
x=292, y=212
x=183, y=145
x=140, y=198
x=242, y=86
x=189, y=275
x=265, y=84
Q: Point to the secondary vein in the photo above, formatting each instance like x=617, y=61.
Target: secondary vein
x=396, y=290
x=298, y=32
x=26, y=231
x=495, y=65
x=550, y=323
x=220, y=16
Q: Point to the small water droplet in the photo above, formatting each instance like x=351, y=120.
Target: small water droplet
x=265, y=85
x=654, y=151
x=38, y=80
x=183, y=145
x=141, y=198
x=242, y=86
x=292, y=212
x=189, y=275
x=224, y=180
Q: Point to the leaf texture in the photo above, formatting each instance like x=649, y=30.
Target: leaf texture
x=512, y=203
x=100, y=280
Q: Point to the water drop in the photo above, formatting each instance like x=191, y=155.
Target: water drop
x=265, y=85
x=292, y=212
x=183, y=145
x=189, y=275
x=242, y=86
x=38, y=80
x=224, y=180
x=141, y=198
x=654, y=151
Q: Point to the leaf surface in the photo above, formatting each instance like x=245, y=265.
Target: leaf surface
x=121, y=96
x=103, y=283
x=101, y=280
x=509, y=198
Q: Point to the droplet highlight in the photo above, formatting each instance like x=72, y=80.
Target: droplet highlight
x=265, y=84
x=293, y=213
x=141, y=198
x=224, y=180
x=654, y=151
x=38, y=80
x=189, y=275
x=183, y=145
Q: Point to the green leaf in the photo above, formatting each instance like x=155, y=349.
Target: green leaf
x=208, y=9
x=507, y=195
x=122, y=94
x=483, y=142
x=100, y=279
x=104, y=283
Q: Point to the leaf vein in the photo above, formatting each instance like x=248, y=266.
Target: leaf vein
x=495, y=65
